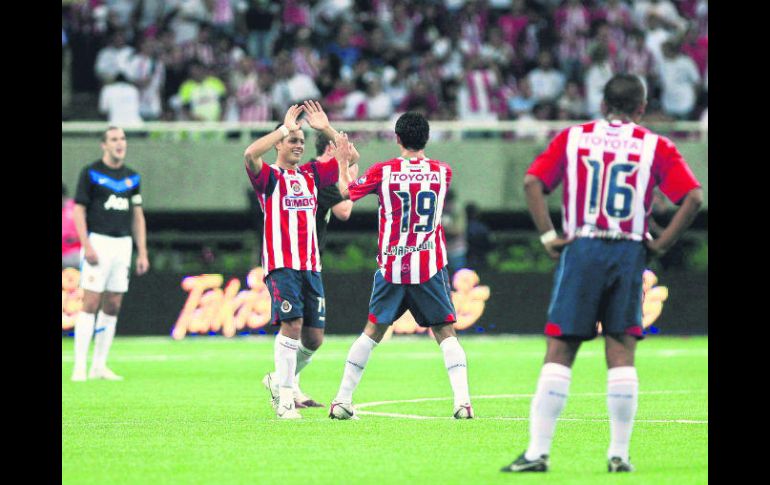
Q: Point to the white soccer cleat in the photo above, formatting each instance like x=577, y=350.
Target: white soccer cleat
x=342, y=410
x=104, y=373
x=287, y=411
x=78, y=375
x=272, y=387
x=463, y=411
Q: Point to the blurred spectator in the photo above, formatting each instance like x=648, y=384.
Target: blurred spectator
x=223, y=15
x=70, y=242
x=291, y=86
x=477, y=95
x=202, y=95
x=378, y=103
x=200, y=49
x=304, y=56
x=513, y=23
x=572, y=19
x=260, y=23
x=119, y=101
x=478, y=236
x=420, y=99
x=123, y=15
x=296, y=14
x=148, y=72
x=572, y=53
x=696, y=46
x=638, y=59
x=599, y=72
x=523, y=102
x=113, y=58
x=453, y=223
x=253, y=104
x=400, y=29
x=496, y=49
x=679, y=80
x=571, y=105
x=662, y=10
x=546, y=81
x=185, y=19
x=656, y=35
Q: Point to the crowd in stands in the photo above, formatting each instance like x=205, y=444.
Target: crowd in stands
x=248, y=60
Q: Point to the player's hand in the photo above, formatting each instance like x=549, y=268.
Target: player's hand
x=315, y=115
x=290, y=120
x=555, y=247
x=342, y=149
x=655, y=247
x=142, y=264
x=91, y=256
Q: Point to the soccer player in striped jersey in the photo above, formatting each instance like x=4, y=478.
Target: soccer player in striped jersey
x=288, y=194
x=412, y=257
x=610, y=168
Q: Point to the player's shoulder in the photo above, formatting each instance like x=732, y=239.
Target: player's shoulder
x=440, y=164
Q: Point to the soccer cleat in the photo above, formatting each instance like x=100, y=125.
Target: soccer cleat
x=342, y=410
x=104, y=373
x=78, y=375
x=272, y=387
x=463, y=411
x=616, y=464
x=287, y=411
x=303, y=401
x=523, y=465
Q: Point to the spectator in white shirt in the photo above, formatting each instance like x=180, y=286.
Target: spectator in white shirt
x=119, y=100
x=597, y=75
x=113, y=58
x=679, y=81
x=148, y=72
x=546, y=81
x=379, y=106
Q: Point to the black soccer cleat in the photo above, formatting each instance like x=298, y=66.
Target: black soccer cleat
x=523, y=465
x=616, y=464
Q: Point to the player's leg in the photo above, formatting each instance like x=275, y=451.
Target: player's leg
x=572, y=312
x=312, y=336
x=104, y=333
x=431, y=306
x=84, y=330
x=285, y=286
x=622, y=321
x=385, y=306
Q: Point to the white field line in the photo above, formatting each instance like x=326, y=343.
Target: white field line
x=360, y=408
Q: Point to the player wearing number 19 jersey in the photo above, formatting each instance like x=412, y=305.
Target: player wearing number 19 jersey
x=412, y=272
x=608, y=169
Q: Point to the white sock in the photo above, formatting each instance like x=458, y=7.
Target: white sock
x=457, y=368
x=622, y=396
x=358, y=356
x=285, y=354
x=304, y=355
x=104, y=332
x=84, y=330
x=549, y=400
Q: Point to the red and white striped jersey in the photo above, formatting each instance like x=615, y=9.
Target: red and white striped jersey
x=412, y=245
x=610, y=170
x=289, y=202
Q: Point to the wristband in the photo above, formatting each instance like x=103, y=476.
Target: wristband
x=547, y=237
x=284, y=131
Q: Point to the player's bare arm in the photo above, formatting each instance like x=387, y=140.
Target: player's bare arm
x=79, y=217
x=342, y=210
x=682, y=219
x=343, y=153
x=139, y=230
x=253, y=154
x=538, y=209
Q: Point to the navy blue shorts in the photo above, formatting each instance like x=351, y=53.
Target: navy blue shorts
x=297, y=294
x=597, y=280
x=430, y=303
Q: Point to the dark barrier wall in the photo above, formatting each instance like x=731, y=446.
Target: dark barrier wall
x=517, y=303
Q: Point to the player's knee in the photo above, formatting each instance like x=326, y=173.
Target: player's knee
x=562, y=351
x=374, y=331
x=444, y=331
x=312, y=341
x=292, y=328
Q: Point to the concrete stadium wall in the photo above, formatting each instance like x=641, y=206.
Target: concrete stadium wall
x=209, y=174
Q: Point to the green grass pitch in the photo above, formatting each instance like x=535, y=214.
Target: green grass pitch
x=194, y=412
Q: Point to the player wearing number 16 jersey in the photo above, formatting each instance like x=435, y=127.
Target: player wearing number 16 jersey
x=608, y=169
x=412, y=260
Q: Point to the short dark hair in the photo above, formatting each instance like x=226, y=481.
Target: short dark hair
x=413, y=130
x=321, y=142
x=624, y=94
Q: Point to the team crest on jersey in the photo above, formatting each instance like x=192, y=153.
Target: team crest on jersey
x=405, y=268
x=296, y=187
x=285, y=306
x=129, y=182
x=361, y=180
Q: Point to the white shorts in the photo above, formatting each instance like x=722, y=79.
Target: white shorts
x=112, y=271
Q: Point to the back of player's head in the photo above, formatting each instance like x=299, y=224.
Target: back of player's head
x=413, y=130
x=624, y=94
x=321, y=142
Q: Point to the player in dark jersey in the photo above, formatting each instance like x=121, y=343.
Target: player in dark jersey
x=610, y=168
x=108, y=212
